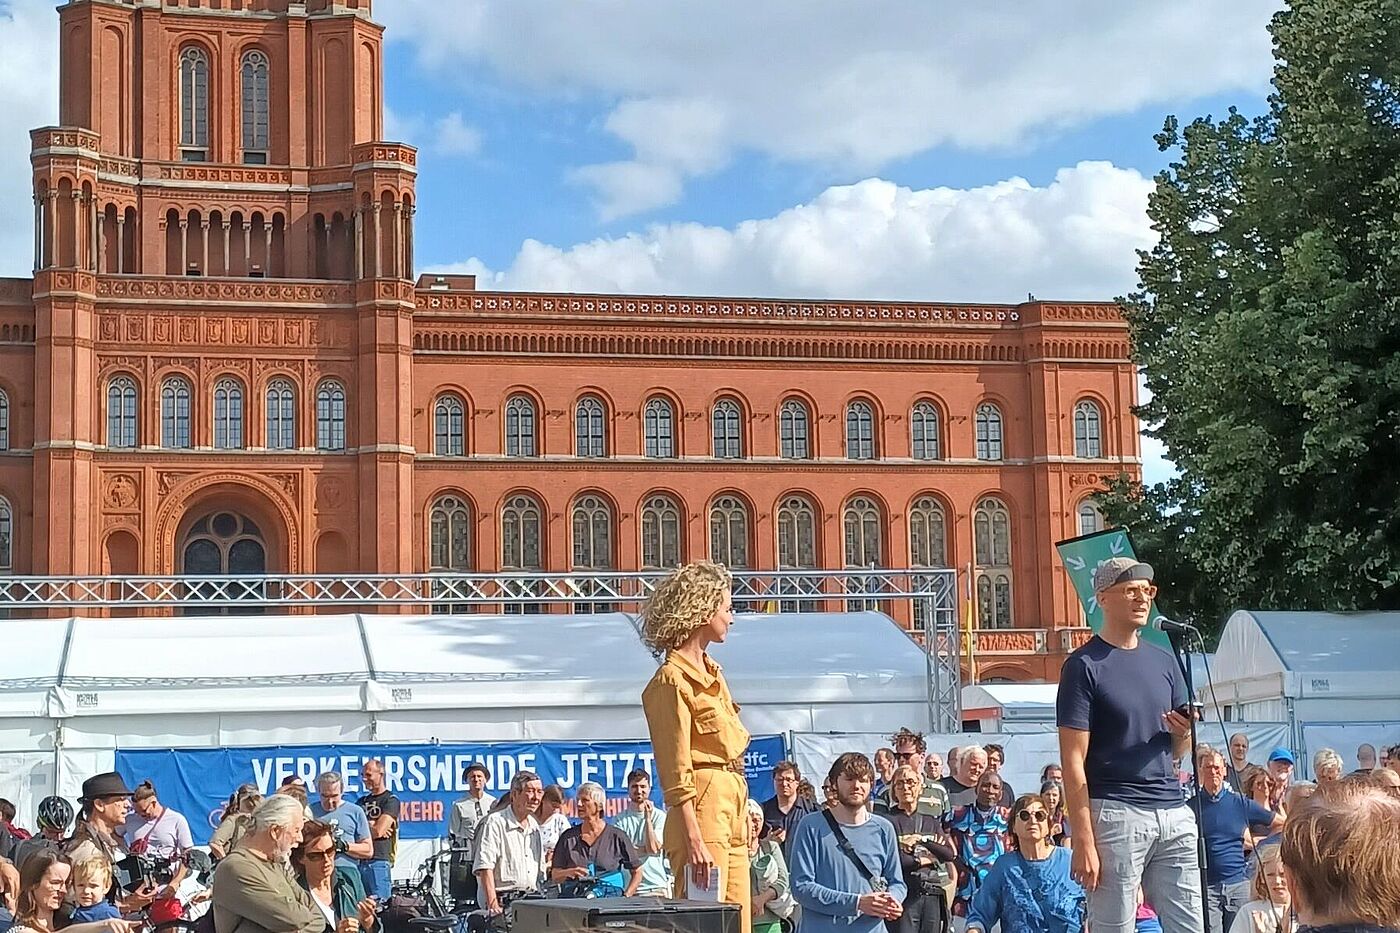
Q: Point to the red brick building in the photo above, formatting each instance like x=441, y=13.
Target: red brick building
x=223, y=362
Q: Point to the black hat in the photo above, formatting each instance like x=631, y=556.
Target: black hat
x=109, y=784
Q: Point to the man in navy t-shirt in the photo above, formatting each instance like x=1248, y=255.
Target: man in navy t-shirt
x=1120, y=739
x=1224, y=817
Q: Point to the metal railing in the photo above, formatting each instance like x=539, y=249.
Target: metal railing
x=920, y=597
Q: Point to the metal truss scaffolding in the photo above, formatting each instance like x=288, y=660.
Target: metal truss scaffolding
x=924, y=598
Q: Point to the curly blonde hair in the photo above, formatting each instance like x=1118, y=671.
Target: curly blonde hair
x=683, y=602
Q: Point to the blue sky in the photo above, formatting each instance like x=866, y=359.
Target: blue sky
x=915, y=149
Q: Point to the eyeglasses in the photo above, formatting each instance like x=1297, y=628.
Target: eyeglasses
x=1039, y=816
x=908, y=781
x=320, y=855
x=1140, y=592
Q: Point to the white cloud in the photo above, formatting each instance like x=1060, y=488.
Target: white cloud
x=29, y=38
x=1156, y=468
x=452, y=136
x=854, y=85
x=449, y=135
x=1073, y=238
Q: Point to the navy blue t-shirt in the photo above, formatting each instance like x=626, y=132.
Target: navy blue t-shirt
x=1118, y=696
x=1223, y=819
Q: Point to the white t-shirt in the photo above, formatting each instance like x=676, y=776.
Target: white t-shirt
x=552, y=828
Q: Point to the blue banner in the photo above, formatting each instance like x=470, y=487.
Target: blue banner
x=425, y=778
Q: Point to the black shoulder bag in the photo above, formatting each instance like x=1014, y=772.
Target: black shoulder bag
x=876, y=883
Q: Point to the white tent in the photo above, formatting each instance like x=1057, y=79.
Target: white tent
x=72, y=691
x=1010, y=707
x=1333, y=677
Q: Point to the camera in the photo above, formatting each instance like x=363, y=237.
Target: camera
x=135, y=872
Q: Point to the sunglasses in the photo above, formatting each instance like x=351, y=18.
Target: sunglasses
x=903, y=755
x=320, y=855
x=1039, y=816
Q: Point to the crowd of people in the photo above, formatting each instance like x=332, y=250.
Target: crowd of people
x=1106, y=842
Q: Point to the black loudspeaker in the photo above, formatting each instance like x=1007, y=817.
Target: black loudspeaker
x=624, y=913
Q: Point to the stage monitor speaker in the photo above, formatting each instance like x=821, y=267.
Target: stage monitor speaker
x=623, y=913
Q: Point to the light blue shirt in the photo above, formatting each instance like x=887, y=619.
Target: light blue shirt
x=828, y=885
x=346, y=820
x=656, y=876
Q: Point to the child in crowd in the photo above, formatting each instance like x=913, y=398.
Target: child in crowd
x=92, y=879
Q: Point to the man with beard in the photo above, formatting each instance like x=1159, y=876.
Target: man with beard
x=253, y=890
x=981, y=834
x=845, y=862
x=106, y=803
x=645, y=824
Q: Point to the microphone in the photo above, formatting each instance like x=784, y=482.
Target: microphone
x=1170, y=627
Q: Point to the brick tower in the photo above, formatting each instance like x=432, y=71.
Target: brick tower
x=218, y=140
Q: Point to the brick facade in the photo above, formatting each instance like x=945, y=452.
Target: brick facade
x=223, y=322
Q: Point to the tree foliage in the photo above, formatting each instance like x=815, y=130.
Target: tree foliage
x=1268, y=324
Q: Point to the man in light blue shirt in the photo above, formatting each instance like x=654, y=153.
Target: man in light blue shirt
x=857, y=889
x=645, y=824
x=349, y=825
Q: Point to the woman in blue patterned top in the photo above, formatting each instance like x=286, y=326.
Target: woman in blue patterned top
x=1029, y=889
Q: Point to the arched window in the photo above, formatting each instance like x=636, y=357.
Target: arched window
x=121, y=412
x=224, y=543
x=794, y=430
x=797, y=550
x=1090, y=518
x=592, y=525
x=449, y=431
x=726, y=423
x=729, y=532
x=1088, y=433
x=281, y=415
x=860, y=431
x=661, y=533
x=450, y=522
x=923, y=422
x=175, y=413
x=520, y=426
x=228, y=414
x=991, y=526
x=659, y=426
x=988, y=432
x=590, y=434
x=330, y=415
x=520, y=534
x=255, y=107
x=864, y=545
x=4, y=420
x=928, y=547
x=7, y=537
x=194, y=105
x=449, y=545
x=521, y=547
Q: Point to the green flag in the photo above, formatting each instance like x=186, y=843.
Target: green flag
x=1083, y=555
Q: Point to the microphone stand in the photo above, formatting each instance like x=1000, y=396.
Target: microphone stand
x=1181, y=642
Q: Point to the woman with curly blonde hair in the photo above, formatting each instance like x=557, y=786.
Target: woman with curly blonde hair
x=696, y=734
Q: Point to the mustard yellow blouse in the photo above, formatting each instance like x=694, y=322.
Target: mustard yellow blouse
x=694, y=722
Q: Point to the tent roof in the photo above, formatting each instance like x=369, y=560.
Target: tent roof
x=1027, y=697
x=1301, y=650
x=229, y=664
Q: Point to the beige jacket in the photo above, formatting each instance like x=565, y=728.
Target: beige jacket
x=254, y=895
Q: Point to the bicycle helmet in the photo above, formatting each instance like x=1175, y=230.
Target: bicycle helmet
x=55, y=813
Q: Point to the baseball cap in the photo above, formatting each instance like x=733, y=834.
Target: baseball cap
x=1117, y=570
x=1283, y=754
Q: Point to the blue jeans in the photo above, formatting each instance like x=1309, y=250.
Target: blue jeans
x=1152, y=848
x=1223, y=901
x=375, y=874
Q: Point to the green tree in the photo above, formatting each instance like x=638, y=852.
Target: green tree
x=1268, y=324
